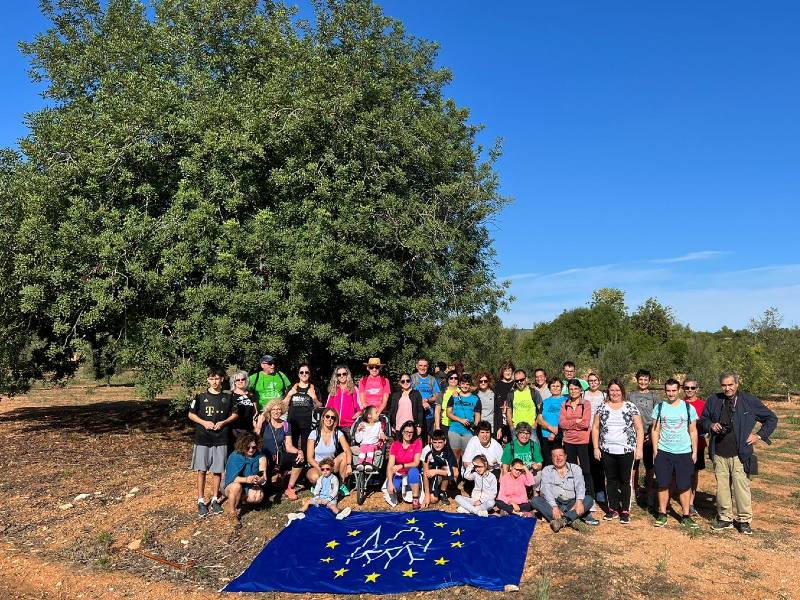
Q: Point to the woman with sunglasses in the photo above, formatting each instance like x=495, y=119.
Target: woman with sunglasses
x=690, y=387
x=282, y=456
x=301, y=400
x=440, y=412
x=343, y=396
x=246, y=408
x=374, y=389
x=328, y=442
x=406, y=405
x=490, y=411
x=404, y=456
x=245, y=473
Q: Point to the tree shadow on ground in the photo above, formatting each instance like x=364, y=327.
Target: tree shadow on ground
x=99, y=418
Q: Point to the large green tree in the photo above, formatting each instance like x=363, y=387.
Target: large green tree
x=216, y=178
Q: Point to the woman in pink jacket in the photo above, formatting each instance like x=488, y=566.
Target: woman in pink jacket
x=513, y=496
x=576, y=415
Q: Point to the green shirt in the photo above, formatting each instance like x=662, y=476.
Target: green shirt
x=268, y=387
x=529, y=453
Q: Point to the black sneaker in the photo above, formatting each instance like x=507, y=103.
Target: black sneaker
x=444, y=500
x=744, y=528
x=720, y=525
x=216, y=508
x=625, y=517
x=202, y=510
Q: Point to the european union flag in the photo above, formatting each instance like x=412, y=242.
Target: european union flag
x=389, y=553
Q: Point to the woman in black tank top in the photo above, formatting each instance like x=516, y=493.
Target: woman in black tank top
x=302, y=399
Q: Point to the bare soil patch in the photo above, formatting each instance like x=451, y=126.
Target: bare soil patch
x=131, y=460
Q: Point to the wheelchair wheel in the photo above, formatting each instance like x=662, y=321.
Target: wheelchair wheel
x=361, y=489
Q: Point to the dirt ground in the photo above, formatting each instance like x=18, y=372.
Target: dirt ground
x=131, y=458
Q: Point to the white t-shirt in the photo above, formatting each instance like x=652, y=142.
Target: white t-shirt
x=494, y=453
x=617, y=431
x=370, y=434
x=596, y=399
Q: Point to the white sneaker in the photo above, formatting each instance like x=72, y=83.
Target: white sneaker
x=391, y=499
x=344, y=513
x=482, y=512
x=295, y=517
x=360, y=467
x=462, y=510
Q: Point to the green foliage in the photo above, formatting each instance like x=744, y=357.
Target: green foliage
x=215, y=179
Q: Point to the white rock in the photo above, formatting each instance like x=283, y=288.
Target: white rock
x=66, y=506
x=135, y=545
x=134, y=491
x=185, y=542
x=80, y=497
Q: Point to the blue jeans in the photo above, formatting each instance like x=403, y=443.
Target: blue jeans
x=566, y=507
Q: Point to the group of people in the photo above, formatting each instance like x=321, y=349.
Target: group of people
x=558, y=446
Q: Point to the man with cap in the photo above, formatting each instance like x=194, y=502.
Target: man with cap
x=269, y=384
x=374, y=389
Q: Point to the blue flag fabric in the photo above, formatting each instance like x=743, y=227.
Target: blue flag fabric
x=389, y=553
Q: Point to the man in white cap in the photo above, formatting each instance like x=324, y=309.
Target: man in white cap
x=374, y=389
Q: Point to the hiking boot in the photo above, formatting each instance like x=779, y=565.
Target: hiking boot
x=575, y=524
x=290, y=493
x=343, y=490
x=590, y=520
x=216, y=508
x=391, y=499
x=661, y=520
x=689, y=523
x=202, y=509
x=624, y=517
x=720, y=524
x=611, y=515
x=744, y=528
x=556, y=525
x=344, y=513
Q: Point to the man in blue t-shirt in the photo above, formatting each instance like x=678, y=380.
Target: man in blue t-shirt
x=674, y=435
x=428, y=387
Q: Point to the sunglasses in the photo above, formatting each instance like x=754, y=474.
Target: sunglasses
x=240, y=379
x=271, y=364
x=305, y=372
x=341, y=374
x=252, y=447
x=452, y=377
x=483, y=381
x=373, y=368
x=405, y=381
x=690, y=387
x=325, y=469
x=521, y=380
x=331, y=417
x=524, y=433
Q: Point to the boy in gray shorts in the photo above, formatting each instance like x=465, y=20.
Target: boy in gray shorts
x=212, y=412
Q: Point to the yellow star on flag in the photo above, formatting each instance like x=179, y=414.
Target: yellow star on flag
x=326, y=560
x=354, y=533
x=411, y=521
x=441, y=561
x=440, y=524
x=340, y=572
x=372, y=578
x=332, y=544
x=456, y=532
x=410, y=573
x=456, y=545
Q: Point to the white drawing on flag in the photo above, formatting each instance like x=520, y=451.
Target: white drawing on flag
x=408, y=542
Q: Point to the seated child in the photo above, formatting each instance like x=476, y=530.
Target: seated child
x=484, y=491
x=513, y=496
x=369, y=437
x=324, y=494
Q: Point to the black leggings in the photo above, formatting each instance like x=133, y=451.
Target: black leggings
x=598, y=474
x=578, y=454
x=505, y=507
x=618, y=480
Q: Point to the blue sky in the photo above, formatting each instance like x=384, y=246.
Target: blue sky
x=650, y=147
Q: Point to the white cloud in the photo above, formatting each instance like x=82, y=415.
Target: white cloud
x=692, y=256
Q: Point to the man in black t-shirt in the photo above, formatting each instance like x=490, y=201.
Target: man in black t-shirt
x=212, y=412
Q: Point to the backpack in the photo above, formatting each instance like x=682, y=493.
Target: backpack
x=338, y=445
x=688, y=414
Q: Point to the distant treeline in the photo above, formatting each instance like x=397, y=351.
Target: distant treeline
x=609, y=338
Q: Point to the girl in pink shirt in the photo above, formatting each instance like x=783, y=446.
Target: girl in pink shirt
x=513, y=496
